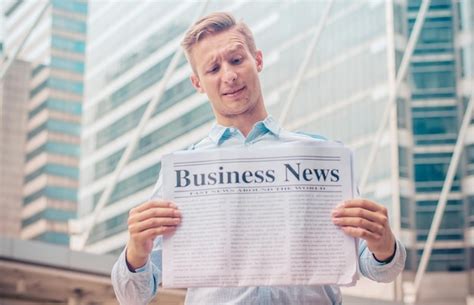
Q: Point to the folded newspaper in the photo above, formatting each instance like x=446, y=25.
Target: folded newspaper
x=259, y=216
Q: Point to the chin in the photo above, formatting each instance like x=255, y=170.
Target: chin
x=237, y=112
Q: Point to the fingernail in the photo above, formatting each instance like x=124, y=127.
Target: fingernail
x=173, y=205
x=335, y=212
x=177, y=213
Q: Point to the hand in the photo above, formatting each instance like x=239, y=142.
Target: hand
x=367, y=220
x=145, y=223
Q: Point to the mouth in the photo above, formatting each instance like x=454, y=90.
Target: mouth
x=234, y=92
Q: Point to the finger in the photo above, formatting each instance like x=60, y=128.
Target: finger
x=156, y=222
x=359, y=223
x=361, y=233
x=153, y=204
x=360, y=213
x=154, y=232
x=154, y=212
x=365, y=204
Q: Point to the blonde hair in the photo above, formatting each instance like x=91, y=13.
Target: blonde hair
x=212, y=24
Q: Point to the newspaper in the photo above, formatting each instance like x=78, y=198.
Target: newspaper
x=259, y=217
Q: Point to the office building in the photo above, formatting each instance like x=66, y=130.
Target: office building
x=55, y=49
x=441, y=84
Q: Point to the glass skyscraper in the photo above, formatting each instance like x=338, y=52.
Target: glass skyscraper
x=441, y=82
x=435, y=115
x=348, y=82
x=56, y=51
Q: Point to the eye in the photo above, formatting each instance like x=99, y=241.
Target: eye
x=213, y=69
x=236, y=60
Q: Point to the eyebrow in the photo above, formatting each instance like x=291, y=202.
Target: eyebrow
x=234, y=48
x=210, y=62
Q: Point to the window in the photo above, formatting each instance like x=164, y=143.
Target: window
x=159, y=137
x=54, y=192
x=445, y=259
x=55, y=170
x=49, y=214
x=403, y=162
x=452, y=219
x=37, y=110
x=66, y=85
x=67, y=44
x=172, y=96
x=54, y=237
x=437, y=79
x=135, y=183
x=402, y=113
x=67, y=64
x=120, y=126
x=38, y=88
x=109, y=227
x=414, y=5
x=59, y=148
x=69, y=24
x=406, y=206
x=470, y=159
x=107, y=165
x=153, y=43
x=470, y=202
x=435, y=125
x=38, y=69
x=431, y=171
x=71, y=6
x=436, y=35
x=398, y=18
x=64, y=106
x=131, y=89
x=410, y=261
x=57, y=126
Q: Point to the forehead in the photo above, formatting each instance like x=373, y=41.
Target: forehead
x=215, y=45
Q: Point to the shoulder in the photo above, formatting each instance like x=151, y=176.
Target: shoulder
x=204, y=143
x=313, y=136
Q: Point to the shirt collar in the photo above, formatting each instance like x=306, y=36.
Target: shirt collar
x=272, y=125
x=220, y=133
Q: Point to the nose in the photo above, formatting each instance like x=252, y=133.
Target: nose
x=229, y=75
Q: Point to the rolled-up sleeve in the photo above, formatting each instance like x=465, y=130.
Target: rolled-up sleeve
x=378, y=271
x=141, y=286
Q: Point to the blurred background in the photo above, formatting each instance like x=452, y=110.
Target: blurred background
x=392, y=79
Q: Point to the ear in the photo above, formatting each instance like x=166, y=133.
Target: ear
x=259, y=60
x=196, y=83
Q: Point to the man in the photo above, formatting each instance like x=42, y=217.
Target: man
x=225, y=64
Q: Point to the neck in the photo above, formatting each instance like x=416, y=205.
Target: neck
x=246, y=125
x=245, y=121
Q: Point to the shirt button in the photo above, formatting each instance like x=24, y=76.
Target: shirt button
x=232, y=130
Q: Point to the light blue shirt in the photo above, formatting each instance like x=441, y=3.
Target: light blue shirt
x=141, y=286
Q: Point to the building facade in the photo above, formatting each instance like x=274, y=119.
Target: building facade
x=55, y=49
x=440, y=78
x=14, y=94
x=348, y=83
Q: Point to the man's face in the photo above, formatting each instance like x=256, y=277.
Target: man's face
x=228, y=73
